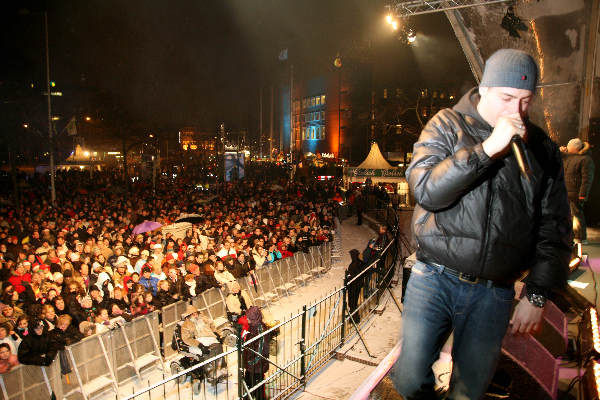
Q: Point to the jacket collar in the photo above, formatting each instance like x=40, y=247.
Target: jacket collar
x=467, y=106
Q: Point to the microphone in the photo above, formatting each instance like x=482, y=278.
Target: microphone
x=516, y=143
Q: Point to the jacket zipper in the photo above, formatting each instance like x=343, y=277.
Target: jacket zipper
x=485, y=230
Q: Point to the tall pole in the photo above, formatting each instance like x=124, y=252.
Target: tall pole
x=52, y=187
x=260, y=133
x=271, y=127
x=340, y=112
x=292, y=141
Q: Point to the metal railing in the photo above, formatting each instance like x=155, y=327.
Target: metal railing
x=301, y=344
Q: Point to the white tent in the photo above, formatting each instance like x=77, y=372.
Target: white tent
x=375, y=159
x=375, y=167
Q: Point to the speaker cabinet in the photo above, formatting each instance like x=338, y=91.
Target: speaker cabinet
x=526, y=370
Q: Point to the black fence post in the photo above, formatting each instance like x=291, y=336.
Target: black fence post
x=303, y=348
x=344, y=311
x=240, y=376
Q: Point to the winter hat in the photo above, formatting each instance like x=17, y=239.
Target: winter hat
x=122, y=260
x=189, y=311
x=575, y=143
x=510, y=68
x=254, y=315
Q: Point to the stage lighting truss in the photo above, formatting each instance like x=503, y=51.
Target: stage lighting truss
x=407, y=8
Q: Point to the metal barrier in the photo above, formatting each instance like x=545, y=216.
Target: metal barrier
x=305, y=341
x=171, y=314
x=92, y=365
x=25, y=382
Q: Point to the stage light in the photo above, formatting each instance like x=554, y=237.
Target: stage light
x=389, y=19
x=411, y=36
x=395, y=25
x=512, y=23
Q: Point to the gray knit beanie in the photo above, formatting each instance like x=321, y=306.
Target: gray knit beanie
x=510, y=68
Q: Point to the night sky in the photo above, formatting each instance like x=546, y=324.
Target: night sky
x=175, y=63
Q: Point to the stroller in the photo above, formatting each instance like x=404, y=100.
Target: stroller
x=212, y=372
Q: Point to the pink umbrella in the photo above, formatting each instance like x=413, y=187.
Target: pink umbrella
x=146, y=226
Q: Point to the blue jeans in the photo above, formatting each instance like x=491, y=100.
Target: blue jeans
x=435, y=304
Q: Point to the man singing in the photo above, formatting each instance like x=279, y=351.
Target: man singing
x=479, y=224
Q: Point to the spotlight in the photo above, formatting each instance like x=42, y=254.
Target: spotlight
x=389, y=19
x=512, y=23
x=395, y=25
x=576, y=257
x=411, y=36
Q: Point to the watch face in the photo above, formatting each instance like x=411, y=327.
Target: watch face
x=537, y=300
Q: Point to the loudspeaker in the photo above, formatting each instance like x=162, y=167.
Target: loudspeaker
x=553, y=335
x=526, y=370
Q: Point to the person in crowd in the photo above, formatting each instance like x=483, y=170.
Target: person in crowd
x=37, y=347
x=221, y=275
x=49, y=317
x=200, y=334
x=22, y=328
x=237, y=302
x=147, y=280
x=8, y=359
x=354, y=282
x=9, y=337
x=164, y=296
x=579, y=175
x=376, y=246
x=256, y=354
x=65, y=333
x=87, y=328
x=9, y=316
x=480, y=222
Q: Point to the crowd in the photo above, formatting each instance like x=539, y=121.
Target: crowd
x=75, y=268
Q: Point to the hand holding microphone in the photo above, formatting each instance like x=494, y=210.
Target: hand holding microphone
x=509, y=129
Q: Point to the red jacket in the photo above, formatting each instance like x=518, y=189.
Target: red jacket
x=17, y=280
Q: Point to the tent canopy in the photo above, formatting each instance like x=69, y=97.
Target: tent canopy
x=375, y=159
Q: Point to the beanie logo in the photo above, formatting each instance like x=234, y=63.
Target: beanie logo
x=523, y=77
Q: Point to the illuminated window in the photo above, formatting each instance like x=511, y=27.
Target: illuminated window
x=313, y=102
x=385, y=93
x=323, y=99
x=318, y=100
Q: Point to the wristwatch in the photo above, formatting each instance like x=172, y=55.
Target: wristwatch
x=536, y=296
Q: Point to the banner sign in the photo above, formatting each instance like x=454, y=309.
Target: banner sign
x=392, y=173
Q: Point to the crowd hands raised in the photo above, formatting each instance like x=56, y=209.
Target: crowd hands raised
x=75, y=269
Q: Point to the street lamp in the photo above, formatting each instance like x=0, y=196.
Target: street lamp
x=338, y=64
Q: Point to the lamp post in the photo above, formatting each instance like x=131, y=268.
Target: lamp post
x=338, y=64
x=50, y=139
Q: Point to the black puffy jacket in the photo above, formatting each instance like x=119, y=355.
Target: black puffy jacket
x=478, y=215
